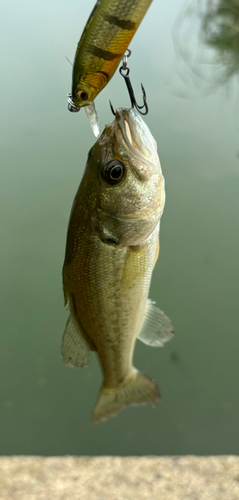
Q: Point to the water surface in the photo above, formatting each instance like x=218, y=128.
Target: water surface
x=45, y=406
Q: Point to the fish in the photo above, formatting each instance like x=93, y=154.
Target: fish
x=107, y=34
x=112, y=247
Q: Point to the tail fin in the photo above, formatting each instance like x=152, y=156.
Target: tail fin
x=138, y=389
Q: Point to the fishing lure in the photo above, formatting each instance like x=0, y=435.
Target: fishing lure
x=107, y=34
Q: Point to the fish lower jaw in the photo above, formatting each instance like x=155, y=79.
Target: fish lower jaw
x=131, y=218
x=142, y=216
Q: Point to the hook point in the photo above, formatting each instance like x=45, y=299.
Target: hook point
x=143, y=90
x=112, y=109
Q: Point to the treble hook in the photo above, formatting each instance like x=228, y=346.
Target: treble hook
x=131, y=93
x=126, y=77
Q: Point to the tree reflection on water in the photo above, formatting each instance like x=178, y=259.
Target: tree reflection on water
x=212, y=25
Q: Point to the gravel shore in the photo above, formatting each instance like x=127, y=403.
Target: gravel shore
x=119, y=478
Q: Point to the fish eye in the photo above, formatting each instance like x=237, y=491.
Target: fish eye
x=81, y=94
x=113, y=172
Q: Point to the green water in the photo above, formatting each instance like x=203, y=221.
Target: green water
x=46, y=407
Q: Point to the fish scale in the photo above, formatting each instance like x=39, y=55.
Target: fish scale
x=112, y=247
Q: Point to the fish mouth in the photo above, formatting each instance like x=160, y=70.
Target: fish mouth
x=139, y=141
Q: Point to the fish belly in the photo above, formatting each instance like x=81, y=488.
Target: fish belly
x=108, y=286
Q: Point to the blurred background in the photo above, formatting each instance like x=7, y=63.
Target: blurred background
x=187, y=56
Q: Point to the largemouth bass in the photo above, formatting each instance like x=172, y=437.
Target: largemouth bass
x=107, y=34
x=112, y=247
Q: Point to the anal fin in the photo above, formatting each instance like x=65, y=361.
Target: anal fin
x=157, y=327
x=75, y=350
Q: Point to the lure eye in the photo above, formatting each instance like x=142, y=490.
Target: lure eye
x=113, y=172
x=81, y=94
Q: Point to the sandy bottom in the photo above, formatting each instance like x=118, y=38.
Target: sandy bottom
x=119, y=478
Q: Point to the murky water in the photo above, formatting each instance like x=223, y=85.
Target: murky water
x=45, y=406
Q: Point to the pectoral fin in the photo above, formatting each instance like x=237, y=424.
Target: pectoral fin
x=157, y=327
x=75, y=349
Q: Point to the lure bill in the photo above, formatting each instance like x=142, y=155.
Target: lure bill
x=93, y=119
x=91, y=114
x=112, y=247
x=107, y=34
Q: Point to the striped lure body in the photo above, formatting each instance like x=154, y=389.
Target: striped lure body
x=107, y=34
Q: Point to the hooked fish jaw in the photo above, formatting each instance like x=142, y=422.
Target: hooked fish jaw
x=126, y=212
x=139, y=141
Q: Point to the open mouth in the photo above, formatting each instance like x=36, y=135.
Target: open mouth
x=131, y=134
x=128, y=133
x=139, y=141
